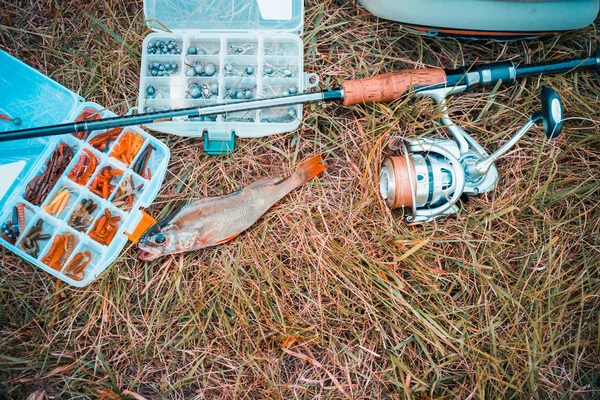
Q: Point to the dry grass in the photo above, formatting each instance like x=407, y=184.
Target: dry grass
x=330, y=295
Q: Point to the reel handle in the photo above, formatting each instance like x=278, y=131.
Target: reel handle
x=552, y=113
x=391, y=86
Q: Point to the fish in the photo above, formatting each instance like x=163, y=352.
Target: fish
x=216, y=220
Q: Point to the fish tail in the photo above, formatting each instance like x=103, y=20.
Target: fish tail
x=309, y=169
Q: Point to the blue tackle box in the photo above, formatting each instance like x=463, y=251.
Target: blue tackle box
x=105, y=185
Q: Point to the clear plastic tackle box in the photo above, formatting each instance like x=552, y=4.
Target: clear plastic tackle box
x=221, y=51
x=35, y=226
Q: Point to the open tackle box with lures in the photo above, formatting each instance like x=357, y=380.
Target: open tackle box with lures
x=218, y=51
x=68, y=201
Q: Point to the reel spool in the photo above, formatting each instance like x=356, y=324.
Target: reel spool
x=430, y=175
x=427, y=178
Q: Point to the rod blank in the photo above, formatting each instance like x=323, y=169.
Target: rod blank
x=168, y=115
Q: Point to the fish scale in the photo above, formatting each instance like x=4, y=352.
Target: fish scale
x=231, y=215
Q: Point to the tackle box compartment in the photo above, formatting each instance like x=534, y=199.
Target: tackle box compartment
x=37, y=100
x=255, y=50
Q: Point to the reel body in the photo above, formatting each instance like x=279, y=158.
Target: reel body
x=426, y=177
x=429, y=175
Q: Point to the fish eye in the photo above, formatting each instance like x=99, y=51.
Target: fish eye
x=159, y=238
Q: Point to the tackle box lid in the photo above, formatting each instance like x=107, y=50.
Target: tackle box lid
x=36, y=100
x=225, y=15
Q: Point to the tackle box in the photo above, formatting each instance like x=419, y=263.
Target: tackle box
x=255, y=50
x=37, y=100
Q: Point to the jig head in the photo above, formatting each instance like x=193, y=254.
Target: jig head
x=431, y=174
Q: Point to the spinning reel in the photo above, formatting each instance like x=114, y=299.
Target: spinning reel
x=432, y=174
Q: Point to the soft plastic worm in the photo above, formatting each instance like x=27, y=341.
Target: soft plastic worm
x=101, y=141
x=58, y=204
x=75, y=269
x=84, y=169
x=21, y=212
x=127, y=147
x=105, y=229
x=40, y=186
x=50, y=256
x=60, y=250
x=88, y=114
x=101, y=186
x=142, y=162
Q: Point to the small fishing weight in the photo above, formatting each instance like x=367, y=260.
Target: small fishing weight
x=237, y=70
x=153, y=93
x=283, y=71
x=290, y=115
x=162, y=69
x=280, y=90
x=210, y=69
x=283, y=91
x=206, y=91
x=16, y=121
x=240, y=94
x=150, y=109
x=162, y=47
x=195, y=51
x=200, y=69
x=241, y=48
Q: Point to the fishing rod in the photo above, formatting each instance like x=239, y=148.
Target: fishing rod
x=431, y=82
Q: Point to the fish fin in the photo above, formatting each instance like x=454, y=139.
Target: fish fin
x=228, y=239
x=205, y=239
x=263, y=182
x=208, y=200
x=164, y=222
x=309, y=169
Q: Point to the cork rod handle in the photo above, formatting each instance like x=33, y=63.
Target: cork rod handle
x=391, y=86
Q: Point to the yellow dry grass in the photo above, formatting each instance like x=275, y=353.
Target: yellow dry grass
x=330, y=295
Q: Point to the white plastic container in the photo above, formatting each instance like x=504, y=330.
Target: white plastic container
x=262, y=34
x=39, y=101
